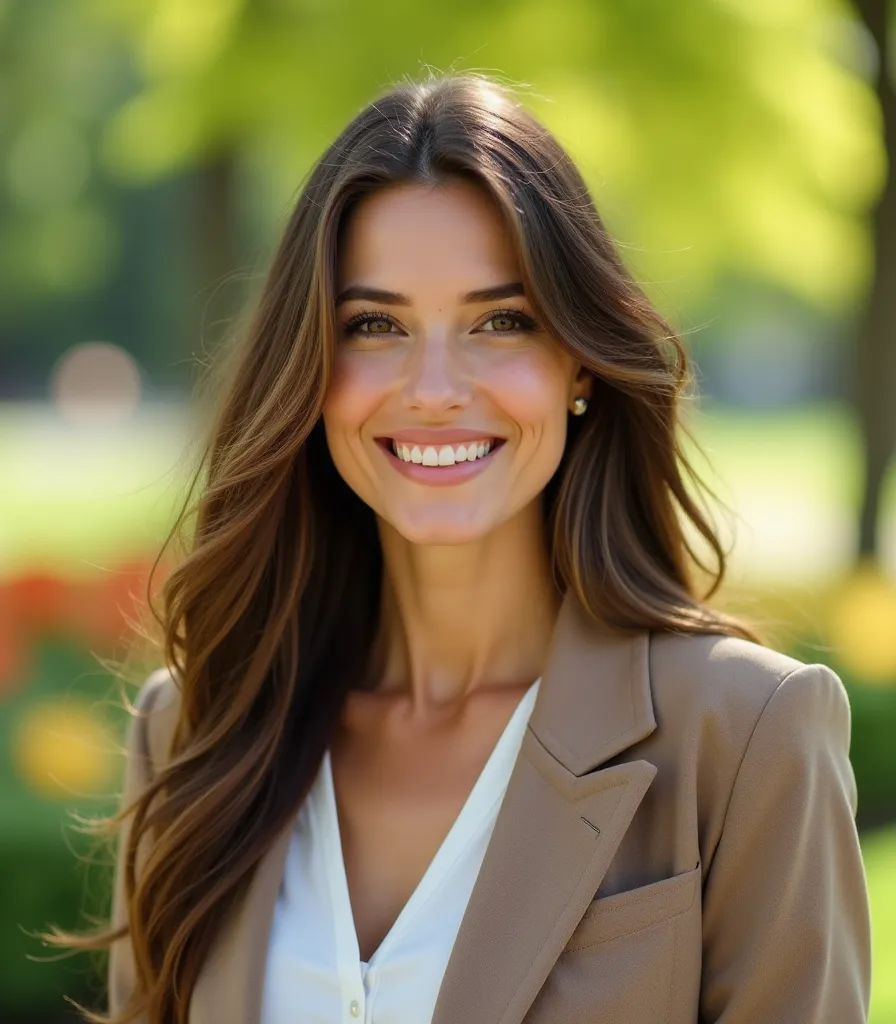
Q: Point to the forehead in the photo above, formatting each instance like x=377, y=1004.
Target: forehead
x=451, y=233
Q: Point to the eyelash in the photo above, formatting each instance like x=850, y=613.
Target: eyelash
x=527, y=323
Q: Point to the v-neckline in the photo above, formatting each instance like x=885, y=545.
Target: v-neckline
x=478, y=806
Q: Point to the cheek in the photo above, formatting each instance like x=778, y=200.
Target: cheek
x=358, y=387
x=531, y=388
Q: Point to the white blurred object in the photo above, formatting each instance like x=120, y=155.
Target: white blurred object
x=96, y=383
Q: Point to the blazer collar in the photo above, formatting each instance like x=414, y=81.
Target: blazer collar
x=594, y=700
x=560, y=823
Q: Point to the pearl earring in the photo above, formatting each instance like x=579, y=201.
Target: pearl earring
x=579, y=406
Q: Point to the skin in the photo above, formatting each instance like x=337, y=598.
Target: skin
x=468, y=602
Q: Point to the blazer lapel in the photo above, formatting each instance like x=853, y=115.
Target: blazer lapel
x=558, y=828
x=559, y=825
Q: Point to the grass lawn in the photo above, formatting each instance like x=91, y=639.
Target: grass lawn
x=879, y=851
x=793, y=481
x=75, y=497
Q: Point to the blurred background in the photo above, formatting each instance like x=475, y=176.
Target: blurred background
x=739, y=151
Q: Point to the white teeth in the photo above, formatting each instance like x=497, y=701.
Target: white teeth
x=444, y=455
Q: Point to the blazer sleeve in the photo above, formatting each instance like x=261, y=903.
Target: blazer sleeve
x=786, y=921
x=137, y=775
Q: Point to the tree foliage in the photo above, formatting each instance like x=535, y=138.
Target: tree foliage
x=719, y=136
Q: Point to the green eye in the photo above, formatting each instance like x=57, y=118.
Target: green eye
x=518, y=321
x=354, y=325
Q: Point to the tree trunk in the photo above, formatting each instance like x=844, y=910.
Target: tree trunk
x=217, y=246
x=874, y=390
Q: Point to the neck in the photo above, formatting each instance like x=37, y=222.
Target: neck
x=465, y=618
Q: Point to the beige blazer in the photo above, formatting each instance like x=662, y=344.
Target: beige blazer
x=677, y=845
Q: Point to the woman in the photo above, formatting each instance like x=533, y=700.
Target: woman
x=447, y=731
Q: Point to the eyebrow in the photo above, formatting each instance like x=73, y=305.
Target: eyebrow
x=494, y=294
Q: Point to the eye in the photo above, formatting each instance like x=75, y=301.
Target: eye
x=379, y=324
x=354, y=325
x=514, y=319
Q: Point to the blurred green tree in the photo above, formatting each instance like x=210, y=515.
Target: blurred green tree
x=719, y=136
x=57, y=81
x=875, y=339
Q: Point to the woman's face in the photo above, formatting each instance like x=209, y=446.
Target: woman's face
x=448, y=409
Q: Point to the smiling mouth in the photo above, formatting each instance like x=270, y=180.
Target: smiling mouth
x=443, y=454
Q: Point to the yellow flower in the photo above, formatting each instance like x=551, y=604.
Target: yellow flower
x=61, y=750
x=863, y=625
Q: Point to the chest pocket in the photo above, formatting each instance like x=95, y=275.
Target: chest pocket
x=610, y=917
x=634, y=957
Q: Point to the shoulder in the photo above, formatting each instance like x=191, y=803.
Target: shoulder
x=715, y=656
x=735, y=717
x=157, y=706
x=722, y=694
x=734, y=676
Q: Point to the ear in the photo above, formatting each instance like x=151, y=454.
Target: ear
x=581, y=384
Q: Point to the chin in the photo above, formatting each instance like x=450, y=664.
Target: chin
x=441, y=531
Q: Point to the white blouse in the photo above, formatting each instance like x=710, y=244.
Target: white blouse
x=314, y=973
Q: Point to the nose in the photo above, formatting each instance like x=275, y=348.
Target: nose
x=438, y=378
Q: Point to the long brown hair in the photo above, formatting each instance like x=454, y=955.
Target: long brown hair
x=283, y=562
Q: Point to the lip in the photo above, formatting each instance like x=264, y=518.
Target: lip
x=439, y=476
x=435, y=436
